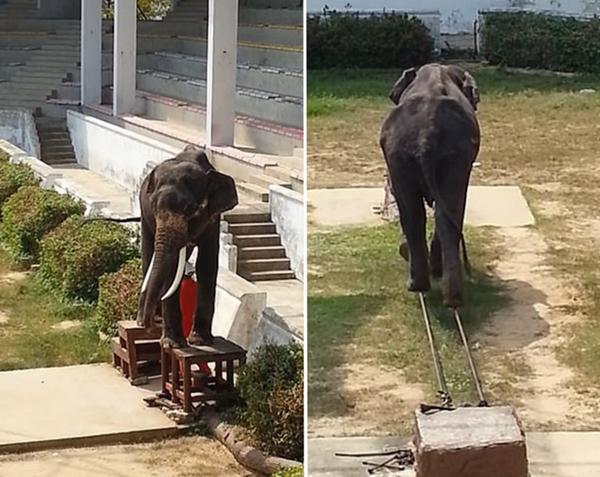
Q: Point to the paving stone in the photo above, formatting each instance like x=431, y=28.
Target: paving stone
x=470, y=442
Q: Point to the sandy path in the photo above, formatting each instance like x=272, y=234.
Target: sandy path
x=528, y=331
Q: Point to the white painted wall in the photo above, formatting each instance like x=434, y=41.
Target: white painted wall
x=288, y=213
x=458, y=15
x=18, y=128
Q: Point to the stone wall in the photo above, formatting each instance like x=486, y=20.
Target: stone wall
x=18, y=127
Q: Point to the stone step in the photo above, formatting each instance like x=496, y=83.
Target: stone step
x=267, y=275
x=264, y=264
x=59, y=158
x=254, y=191
x=56, y=149
x=58, y=141
x=246, y=217
x=256, y=228
x=247, y=253
x=267, y=240
x=263, y=180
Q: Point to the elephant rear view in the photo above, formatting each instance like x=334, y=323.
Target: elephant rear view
x=430, y=141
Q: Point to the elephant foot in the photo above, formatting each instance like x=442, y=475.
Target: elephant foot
x=168, y=342
x=418, y=285
x=199, y=340
x=453, y=298
x=403, y=251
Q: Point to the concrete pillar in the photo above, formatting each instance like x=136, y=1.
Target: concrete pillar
x=124, y=66
x=91, y=51
x=222, y=72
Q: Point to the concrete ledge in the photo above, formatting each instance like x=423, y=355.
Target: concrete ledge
x=17, y=126
x=275, y=329
x=47, y=175
x=288, y=212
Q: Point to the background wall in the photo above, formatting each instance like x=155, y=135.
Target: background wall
x=458, y=15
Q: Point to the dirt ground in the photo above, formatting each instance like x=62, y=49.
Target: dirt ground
x=542, y=350
x=183, y=457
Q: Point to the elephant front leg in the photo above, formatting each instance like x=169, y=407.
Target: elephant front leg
x=147, y=244
x=207, y=267
x=172, y=327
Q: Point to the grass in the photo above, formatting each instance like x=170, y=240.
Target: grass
x=538, y=131
x=28, y=339
x=360, y=312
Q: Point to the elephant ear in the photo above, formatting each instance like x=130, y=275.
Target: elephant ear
x=470, y=90
x=151, y=182
x=406, y=79
x=222, y=195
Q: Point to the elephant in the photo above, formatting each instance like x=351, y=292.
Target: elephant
x=181, y=202
x=430, y=141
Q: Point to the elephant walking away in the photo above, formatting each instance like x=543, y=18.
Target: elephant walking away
x=430, y=141
x=181, y=202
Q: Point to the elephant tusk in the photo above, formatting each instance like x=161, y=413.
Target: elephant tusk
x=147, y=277
x=178, y=274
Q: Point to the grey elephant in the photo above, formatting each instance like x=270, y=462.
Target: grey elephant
x=430, y=141
x=181, y=203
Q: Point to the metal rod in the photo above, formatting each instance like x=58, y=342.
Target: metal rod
x=476, y=378
x=437, y=364
x=370, y=454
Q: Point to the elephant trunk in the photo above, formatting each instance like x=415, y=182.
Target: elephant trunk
x=167, y=266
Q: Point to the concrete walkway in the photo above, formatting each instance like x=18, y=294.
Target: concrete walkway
x=286, y=297
x=552, y=454
x=496, y=206
x=74, y=405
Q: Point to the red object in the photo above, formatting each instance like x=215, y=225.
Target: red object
x=187, y=305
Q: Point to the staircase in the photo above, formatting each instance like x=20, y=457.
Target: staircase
x=14, y=9
x=55, y=142
x=261, y=256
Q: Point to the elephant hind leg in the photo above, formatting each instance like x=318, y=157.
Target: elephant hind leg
x=435, y=257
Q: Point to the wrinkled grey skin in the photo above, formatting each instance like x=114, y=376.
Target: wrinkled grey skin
x=430, y=141
x=181, y=203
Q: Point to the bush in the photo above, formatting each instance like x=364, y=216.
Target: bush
x=31, y=213
x=4, y=156
x=74, y=256
x=343, y=40
x=118, y=296
x=273, y=390
x=12, y=178
x=532, y=40
x=290, y=472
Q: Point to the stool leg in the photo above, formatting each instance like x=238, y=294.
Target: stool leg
x=187, y=386
x=218, y=373
x=164, y=369
x=174, y=377
x=132, y=352
x=229, y=365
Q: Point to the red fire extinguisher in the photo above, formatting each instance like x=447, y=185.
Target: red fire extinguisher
x=187, y=305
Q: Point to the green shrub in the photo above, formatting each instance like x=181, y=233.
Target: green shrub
x=118, y=296
x=532, y=40
x=31, y=213
x=4, y=156
x=290, y=472
x=12, y=178
x=272, y=388
x=347, y=40
x=74, y=256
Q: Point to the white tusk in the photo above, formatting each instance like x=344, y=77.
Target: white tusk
x=178, y=274
x=147, y=277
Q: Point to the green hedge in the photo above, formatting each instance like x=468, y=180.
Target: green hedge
x=74, y=256
x=118, y=296
x=272, y=386
x=31, y=213
x=532, y=40
x=346, y=40
x=12, y=178
x=290, y=472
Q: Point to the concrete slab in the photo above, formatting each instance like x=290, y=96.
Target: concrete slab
x=75, y=405
x=495, y=206
x=286, y=297
x=550, y=454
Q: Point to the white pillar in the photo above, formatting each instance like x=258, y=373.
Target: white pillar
x=91, y=51
x=124, y=66
x=222, y=72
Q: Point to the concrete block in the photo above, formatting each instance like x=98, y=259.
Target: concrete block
x=470, y=442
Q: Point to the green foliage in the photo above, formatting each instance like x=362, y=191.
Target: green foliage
x=4, y=156
x=118, y=296
x=147, y=9
x=272, y=386
x=290, y=472
x=74, y=256
x=12, y=178
x=343, y=40
x=531, y=40
x=31, y=213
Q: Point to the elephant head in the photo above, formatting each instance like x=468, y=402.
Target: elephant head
x=182, y=197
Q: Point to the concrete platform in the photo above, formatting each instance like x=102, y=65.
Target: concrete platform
x=551, y=454
x=495, y=206
x=74, y=406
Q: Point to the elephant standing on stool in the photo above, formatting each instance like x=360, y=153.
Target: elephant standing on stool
x=430, y=141
x=181, y=202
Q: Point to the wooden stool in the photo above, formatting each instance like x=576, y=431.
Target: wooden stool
x=189, y=388
x=136, y=346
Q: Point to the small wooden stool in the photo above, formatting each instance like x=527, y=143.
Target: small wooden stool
x=135, y=346
x=189, y=388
